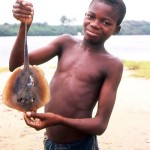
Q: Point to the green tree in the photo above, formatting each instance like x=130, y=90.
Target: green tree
x=63, y=20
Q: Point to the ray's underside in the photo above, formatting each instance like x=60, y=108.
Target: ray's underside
x=26, y=89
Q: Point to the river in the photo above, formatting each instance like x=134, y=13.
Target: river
x=124, y=47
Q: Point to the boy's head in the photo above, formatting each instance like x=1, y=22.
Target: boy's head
x=118, y=5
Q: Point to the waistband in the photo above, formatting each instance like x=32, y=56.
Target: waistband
x=74, y=142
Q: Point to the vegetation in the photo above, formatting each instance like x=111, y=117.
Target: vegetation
x=135, y=28
x=43, y=29
x=138, y=68
x=4, y=70
x=40, y=29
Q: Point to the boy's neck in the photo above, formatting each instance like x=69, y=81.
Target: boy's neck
x=91, y=46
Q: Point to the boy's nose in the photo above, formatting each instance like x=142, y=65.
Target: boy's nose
x=95, y=24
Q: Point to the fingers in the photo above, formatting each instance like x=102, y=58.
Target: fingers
x=41, y=120
x=24, y=3
x=23, y=11
x=31, y=121
x=34, y=115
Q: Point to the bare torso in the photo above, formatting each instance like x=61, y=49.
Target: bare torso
x=75, y=89
x=86, y=74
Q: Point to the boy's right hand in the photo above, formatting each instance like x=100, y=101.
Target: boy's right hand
x=23, y=11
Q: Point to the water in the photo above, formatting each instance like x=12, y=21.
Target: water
x=124, y=47
x=130, y=47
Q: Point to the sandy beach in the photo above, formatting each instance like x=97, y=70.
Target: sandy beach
x=128, y=129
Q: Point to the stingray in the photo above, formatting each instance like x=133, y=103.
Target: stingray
x=26, y=89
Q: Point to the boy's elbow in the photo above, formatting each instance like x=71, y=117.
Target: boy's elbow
x=101, y=127
x=12, y=68
x=101, y=130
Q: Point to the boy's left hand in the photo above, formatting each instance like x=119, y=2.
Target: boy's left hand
x=40, y=120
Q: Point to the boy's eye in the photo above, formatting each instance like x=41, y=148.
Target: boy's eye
x=89, y=16
x=106, y=23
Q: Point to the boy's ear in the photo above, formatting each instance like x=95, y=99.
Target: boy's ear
x=117, y=30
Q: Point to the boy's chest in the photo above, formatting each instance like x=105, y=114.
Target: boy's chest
x=84, y=66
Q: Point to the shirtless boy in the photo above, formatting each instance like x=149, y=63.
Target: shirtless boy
x=86, y=74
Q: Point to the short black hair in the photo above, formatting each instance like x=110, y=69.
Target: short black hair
x=119, y=5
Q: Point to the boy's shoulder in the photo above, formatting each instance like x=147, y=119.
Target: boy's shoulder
x=67, y=37
x=112, y=58
x=66, y=40
x=114, y=63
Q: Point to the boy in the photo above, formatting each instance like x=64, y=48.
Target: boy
x=86, y=74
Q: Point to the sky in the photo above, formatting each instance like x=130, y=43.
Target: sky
x=51, y=11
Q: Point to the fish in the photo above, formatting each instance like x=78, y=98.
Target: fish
x=27, y=88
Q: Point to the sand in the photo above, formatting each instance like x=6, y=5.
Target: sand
x=128, y=129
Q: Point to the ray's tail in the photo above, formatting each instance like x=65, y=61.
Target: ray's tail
x=26, y=57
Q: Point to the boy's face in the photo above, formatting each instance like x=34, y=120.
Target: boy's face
x=100, y=22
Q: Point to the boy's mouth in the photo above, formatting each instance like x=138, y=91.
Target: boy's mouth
x=92, y=33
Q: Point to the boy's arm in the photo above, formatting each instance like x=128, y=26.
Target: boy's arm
x=37, y=56
x=22, y=11
x=17, y=52
x=95, y=125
